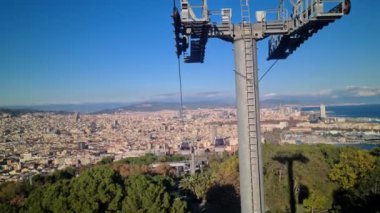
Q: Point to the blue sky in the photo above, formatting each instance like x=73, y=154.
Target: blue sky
x=80, y=51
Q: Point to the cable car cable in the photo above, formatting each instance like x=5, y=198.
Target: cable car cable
x=266, y=72
x=180, y=89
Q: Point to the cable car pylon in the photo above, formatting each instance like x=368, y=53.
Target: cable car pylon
x=286, y=32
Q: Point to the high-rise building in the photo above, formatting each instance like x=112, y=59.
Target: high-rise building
x=323, y=111
x=77, y=117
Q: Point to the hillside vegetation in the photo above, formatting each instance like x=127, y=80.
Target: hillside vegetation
x=297, y=178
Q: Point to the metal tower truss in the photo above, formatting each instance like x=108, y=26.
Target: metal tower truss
x=287, y=32
x=192, y=31
x=308, y=17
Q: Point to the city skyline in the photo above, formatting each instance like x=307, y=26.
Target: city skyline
x=123, y=51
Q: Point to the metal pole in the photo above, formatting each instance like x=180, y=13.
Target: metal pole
x=250, y=161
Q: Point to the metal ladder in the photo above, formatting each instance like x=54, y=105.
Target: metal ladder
x=251, y=87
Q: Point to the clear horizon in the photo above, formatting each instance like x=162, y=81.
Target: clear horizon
x=99, y=51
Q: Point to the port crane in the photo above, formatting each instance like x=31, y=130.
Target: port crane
x=287, y=32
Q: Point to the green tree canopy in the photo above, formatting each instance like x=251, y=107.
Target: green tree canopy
x=149, y=194
x=227, y=172
x=198, y=184
x=101, y=189
x=98, y=189
x=315, y=201
x=352, y=165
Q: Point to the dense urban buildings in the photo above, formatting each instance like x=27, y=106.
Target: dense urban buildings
x=38, y=143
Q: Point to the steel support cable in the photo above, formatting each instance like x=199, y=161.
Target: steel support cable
x=269, y=69
x=180, y=90
x=181, y=117
x=181, y=99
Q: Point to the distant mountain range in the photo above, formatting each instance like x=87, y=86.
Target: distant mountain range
x=16, y=112
x=100, y=108
x=156, y=106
